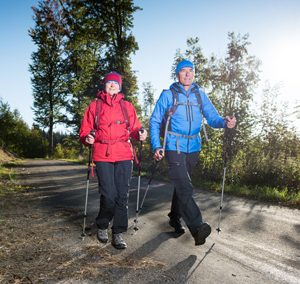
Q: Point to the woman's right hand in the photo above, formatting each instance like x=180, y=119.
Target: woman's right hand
x=89, y=139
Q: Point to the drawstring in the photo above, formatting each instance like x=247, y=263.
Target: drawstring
x=136, y=160
x=107, y=150
x=92, y=169
x=177, y=145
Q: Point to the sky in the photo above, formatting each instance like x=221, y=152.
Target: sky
x=162, y=27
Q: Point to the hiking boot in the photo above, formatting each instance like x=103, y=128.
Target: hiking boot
x=102, y=235
x=176, y=224
x=118, y=241
x=201, y=233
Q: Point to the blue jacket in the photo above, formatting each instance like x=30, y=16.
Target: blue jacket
x=186, y=122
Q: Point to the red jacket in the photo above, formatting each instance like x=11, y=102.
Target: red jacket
x=112, y=135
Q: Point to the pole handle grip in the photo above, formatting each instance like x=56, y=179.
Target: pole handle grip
x=93, y=133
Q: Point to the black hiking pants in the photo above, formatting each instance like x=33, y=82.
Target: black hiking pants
x=183, y=203
x=113, y=179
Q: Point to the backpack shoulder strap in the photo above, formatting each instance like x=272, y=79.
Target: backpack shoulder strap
x=97, y=114
x=199, y=100
x=125, y=113
x=196, y=89
x=175, y=101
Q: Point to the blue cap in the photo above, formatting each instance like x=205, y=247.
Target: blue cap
x=182, y=64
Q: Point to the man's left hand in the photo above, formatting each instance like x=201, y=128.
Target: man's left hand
x=230, y=121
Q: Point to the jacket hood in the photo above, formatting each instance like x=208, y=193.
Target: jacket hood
x=177, y=86
x=106, y=98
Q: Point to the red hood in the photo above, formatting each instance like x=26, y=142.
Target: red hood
x=109, y=99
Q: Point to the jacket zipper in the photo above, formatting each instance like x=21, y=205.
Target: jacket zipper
x=189, y=119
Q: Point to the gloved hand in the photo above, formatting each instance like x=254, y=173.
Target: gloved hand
x=159, y=154
x=142, y=134
x=90, y=139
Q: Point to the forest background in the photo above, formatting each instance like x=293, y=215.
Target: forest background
x=78, y=42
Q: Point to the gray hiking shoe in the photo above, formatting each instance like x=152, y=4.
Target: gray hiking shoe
x=102, y=235
x=118, y=241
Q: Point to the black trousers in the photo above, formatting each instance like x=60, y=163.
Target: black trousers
x=183, y=203
x=114, y=180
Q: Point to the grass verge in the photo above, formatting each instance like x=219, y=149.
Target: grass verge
x=283, y=196
x=8, y=182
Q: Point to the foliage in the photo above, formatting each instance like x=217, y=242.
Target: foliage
x=117, y=18
x=82, y=48
x=78, y=42
x=87, y=39
x=263, y=150
x=148, y=98
x=67, y=149
x=148, y=103
x=274, y=151
x=35, y=144
x=47, y=67
x=97, y=41
x=16, y=137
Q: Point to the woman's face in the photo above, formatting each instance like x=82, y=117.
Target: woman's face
x=112, y=88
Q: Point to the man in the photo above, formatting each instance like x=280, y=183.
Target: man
x=185, y=103
x=108, y=124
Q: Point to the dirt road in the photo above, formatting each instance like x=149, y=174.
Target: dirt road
x=40, y=236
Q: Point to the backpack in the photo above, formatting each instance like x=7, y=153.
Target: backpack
x=165, y=124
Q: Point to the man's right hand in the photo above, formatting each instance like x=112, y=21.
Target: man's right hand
x=90, y=139
x=159, y=154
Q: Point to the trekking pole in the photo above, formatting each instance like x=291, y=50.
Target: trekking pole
x=222, y=195
x=223, y=182
x=145, y=194
x=83, y=234
x=139, y=182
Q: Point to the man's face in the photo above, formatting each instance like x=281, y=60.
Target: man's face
x=186, y=76
x=112, y=88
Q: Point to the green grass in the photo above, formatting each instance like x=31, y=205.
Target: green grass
x=8, y=183
x=6, y=172
x=263, y=193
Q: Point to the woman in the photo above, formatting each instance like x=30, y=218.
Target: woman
x=108, y=124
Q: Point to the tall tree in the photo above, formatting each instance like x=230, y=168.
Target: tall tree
x=203, y=65
x=230, y=84
x=82, y=55
x=235, y=81
x=98, y=40
x=47, y=67
x=148, y=98
x=121, y=44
